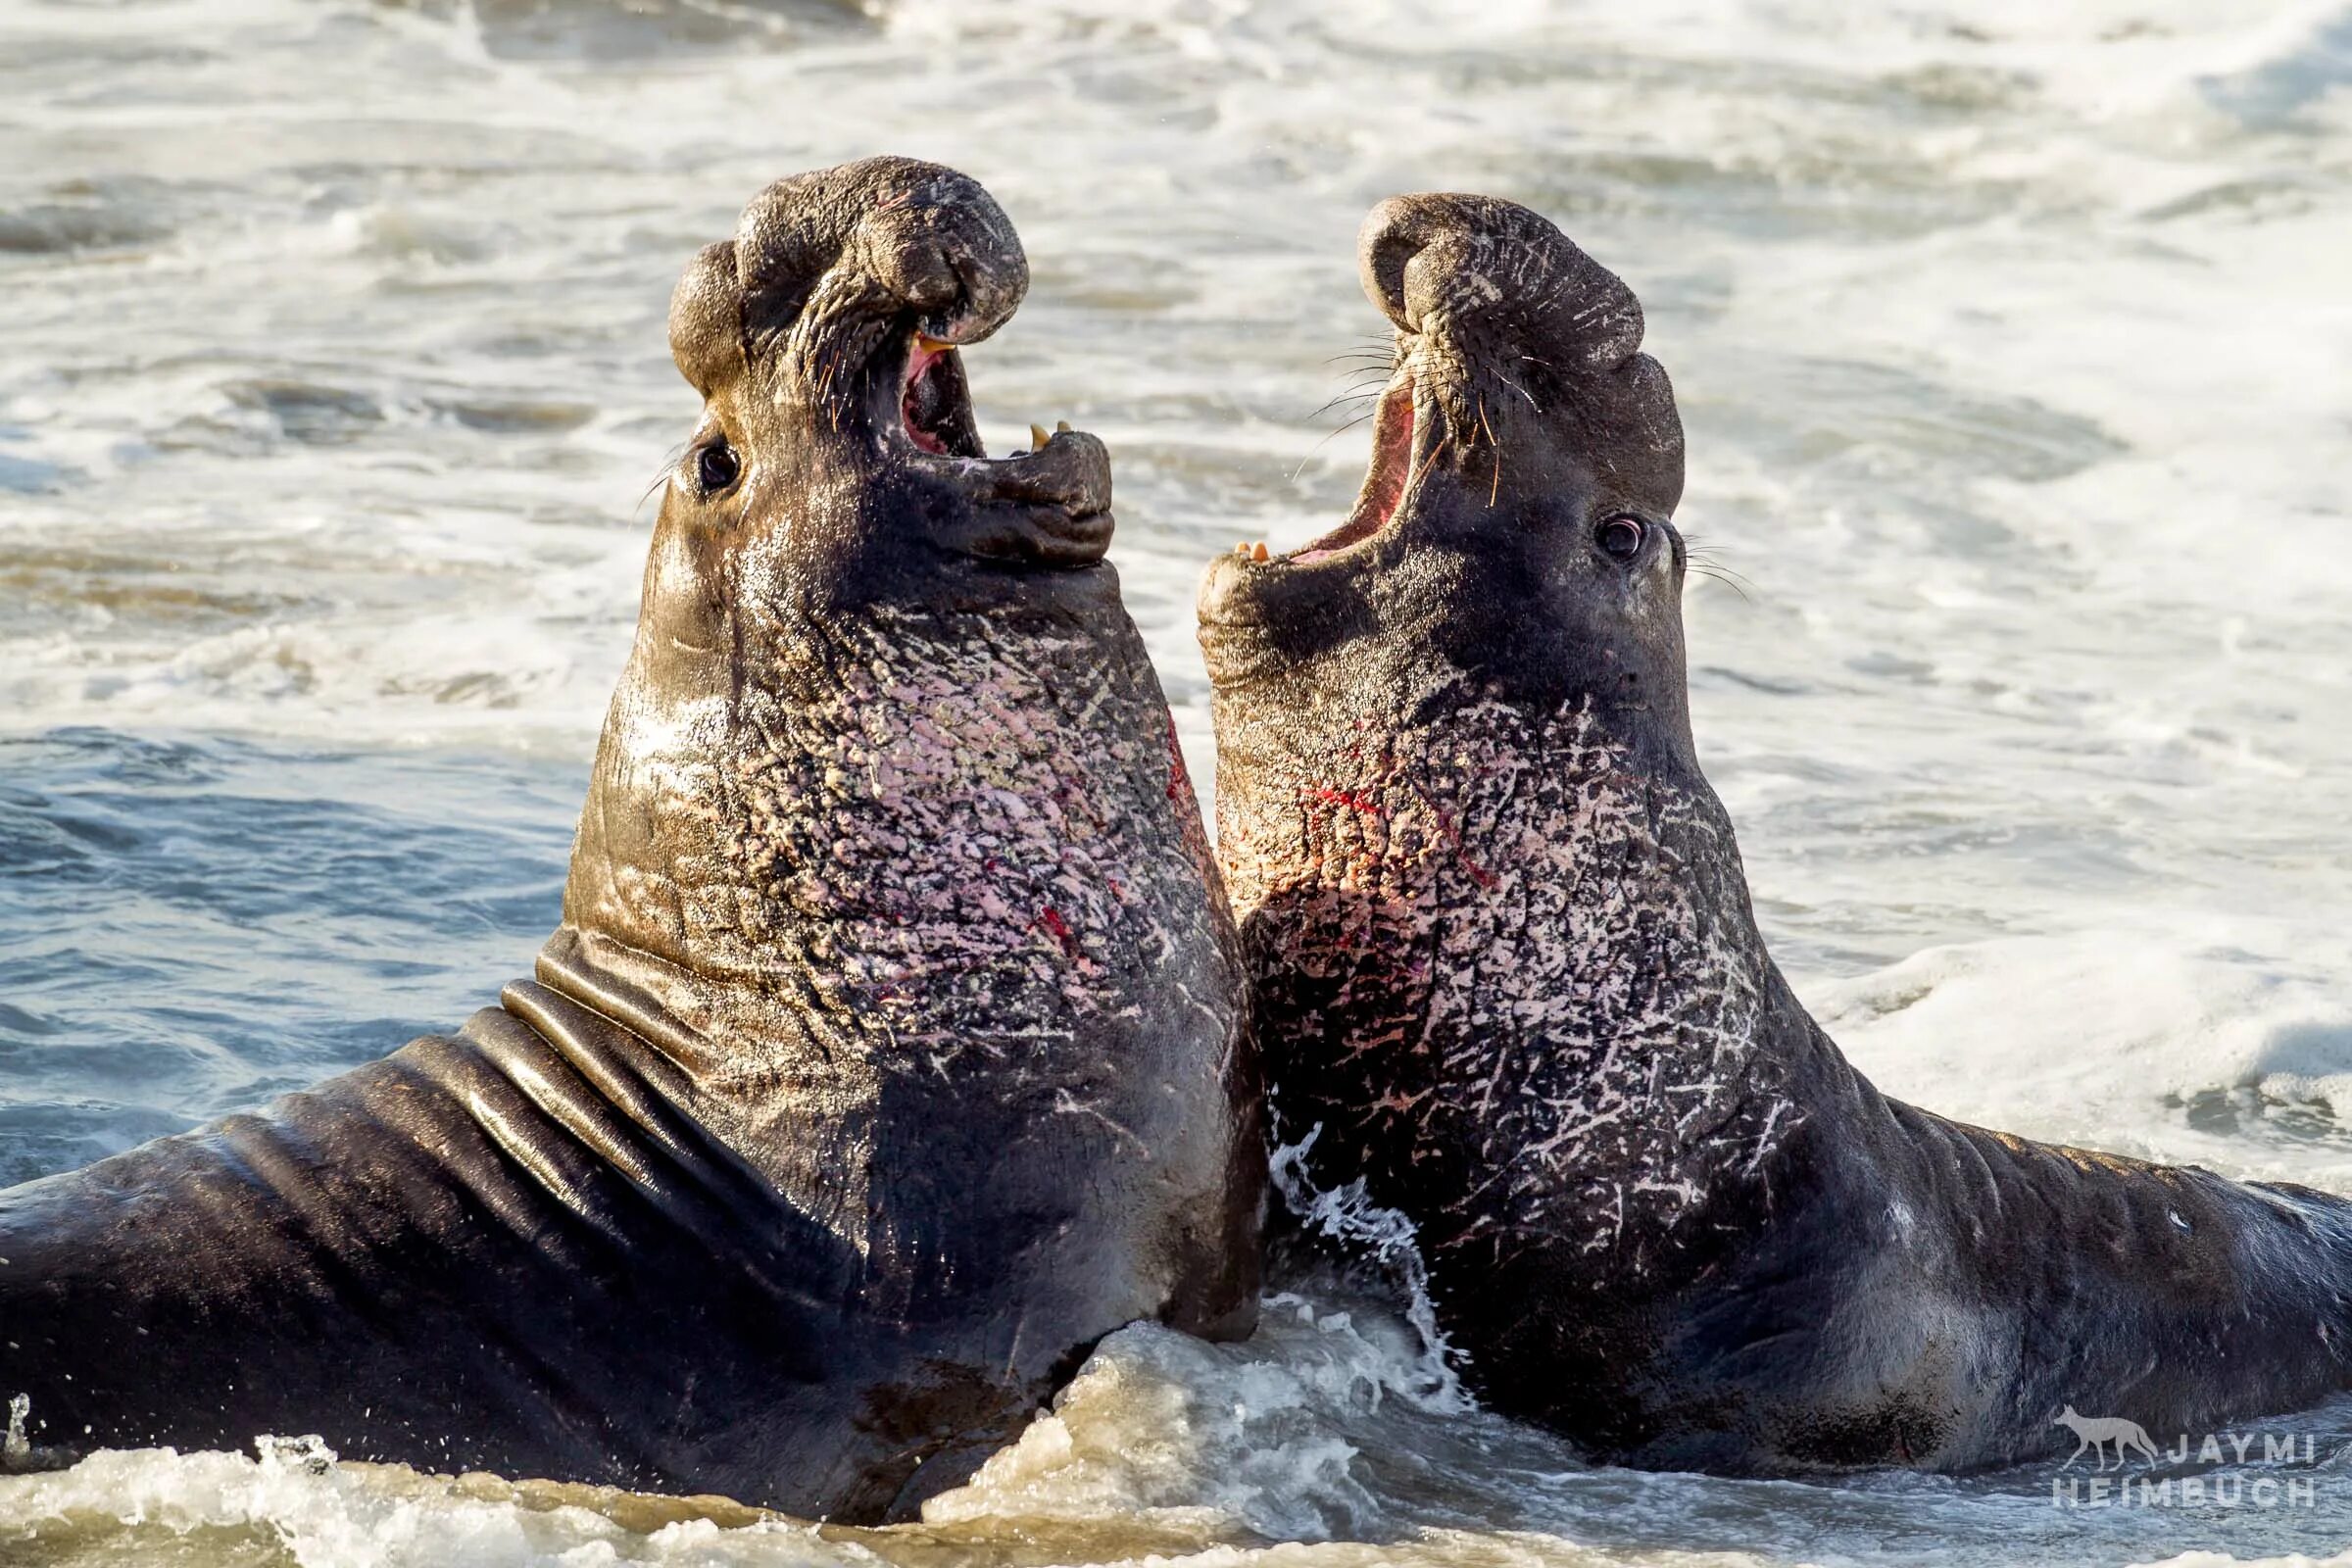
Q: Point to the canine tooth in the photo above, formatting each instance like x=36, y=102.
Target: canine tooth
x=1037, y=438
x=1242, y=549
x=1258, y=551
x=1061, y=428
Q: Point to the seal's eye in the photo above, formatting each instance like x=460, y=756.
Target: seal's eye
x=716, y=466
x=1620, y=538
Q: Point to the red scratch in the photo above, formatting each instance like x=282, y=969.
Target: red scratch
x=1453, y=836
x=1058, y=928
x=1354, y=803
x=1180, y=782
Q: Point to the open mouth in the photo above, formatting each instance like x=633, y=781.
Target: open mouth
x=1049, y=504
x=1391, y=474
x=935, y=402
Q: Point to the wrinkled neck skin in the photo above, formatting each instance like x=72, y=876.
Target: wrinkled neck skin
x=851, y=853
x=1503, y=952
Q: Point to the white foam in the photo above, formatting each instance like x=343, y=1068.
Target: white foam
x=2215, y=1559
x=318, y=1514
x=2125, y=1042
x=1214, y=1440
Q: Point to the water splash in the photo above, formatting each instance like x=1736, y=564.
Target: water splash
x=15, y=1448
x=305, y=1455
x=1390, y=1240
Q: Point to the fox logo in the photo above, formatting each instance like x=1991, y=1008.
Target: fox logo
x=2095, y=1431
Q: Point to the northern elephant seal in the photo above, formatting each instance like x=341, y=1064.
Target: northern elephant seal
x=892, y=1048
x=1508, y=974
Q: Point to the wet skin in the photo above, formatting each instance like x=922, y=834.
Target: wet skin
x=1507, y=972
x=890, y=1051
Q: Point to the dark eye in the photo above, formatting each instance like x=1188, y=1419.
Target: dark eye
x=716, y=466
x=1620, y=538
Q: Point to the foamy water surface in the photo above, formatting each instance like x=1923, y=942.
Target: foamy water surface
x=2015, y=346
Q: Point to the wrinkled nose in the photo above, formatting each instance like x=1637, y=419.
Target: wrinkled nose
x=1496, y=291
x=937, y=242
x=923, y=236
x=1441, y=260
x=1409, y=249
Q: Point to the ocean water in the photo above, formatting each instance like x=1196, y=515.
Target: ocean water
x=2015, y=346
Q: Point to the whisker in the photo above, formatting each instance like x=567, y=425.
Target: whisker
x=647, y=494
x=1719, y=577
x=1345, y=398
x=1427, y=464
x=1327, y=435
x=1704, y=557
x=669, y=466
x=1495, y=488
x=1516, y=387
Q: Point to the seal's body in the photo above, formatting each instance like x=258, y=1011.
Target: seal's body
x=1508, y=974
x=892, y=1049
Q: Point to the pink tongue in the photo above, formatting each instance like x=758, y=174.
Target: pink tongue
x=1305, y=555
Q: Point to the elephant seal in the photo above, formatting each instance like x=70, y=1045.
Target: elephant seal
x=892, y=1049
x=1508, y=977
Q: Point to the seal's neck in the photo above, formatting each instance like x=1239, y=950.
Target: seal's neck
x=860, y=817
x=844, y=853
x=1507, y=963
